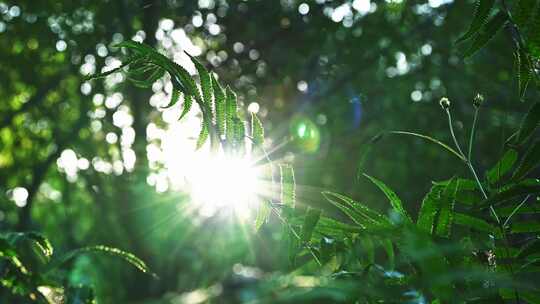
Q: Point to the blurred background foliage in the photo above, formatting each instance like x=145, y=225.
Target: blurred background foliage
x=99, y=162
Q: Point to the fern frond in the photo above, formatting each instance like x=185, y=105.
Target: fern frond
x=206, y=81
x=179, y=76
x=239, y=135
x=188, y=101
x=489, y=30
x=262, y=214
x=149, y=81
x=524, y=71
x=257, y=130
x=203, y=135
x=446, y=213
x=358, y=212
x=175, y=97
x=130, y=60
x=429, y=209
x=481, y=14
x=219, y=106
x=231, y=105
x=288, y=185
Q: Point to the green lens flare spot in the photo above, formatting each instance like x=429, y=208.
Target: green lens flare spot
x=306, y=135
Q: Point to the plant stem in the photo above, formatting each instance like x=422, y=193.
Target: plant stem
x=467, y=161
x=473, y=132
x=458, y=147
x=515, y=210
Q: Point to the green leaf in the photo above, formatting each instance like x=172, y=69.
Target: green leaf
x=483, y=8
x=360, y=214
x=327, y=249
x=288, y=185
x=206, y=80
x=175, y=97
x=502, y=167
x=523, y=10
x=310, y=221
x=257, y=130
x=239, y=134
x=262, y=214
x=43, y=245
x=390, y=254
x=446, y=212
x=368, y=249
x=219, y=105
x=396, y=203
x=131, y=60
x=203, y=135
x=100, y=249
x=188, y=102
x=428, y=210
x=533, y=34
x=529, y=124
x=516, y=190
x=532, y=247
x=149, y=81
x=474, y=223
x=179, y=75
x=332, y=227
x=525, y=71
x=526, y=227
x=530, y=161
x=230, y=115
x=487, y=33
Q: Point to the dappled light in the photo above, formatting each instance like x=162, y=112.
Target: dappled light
x=219, y=151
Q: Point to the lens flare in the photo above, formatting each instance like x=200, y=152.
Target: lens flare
x=223, y=182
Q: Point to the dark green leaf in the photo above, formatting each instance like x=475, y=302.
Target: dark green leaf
x=396, y=203
x=502, y=167
x=525, y=227
x=483, y=8
x=446, y=212
x=487, y=33
x=428, y=210
x=368, y=249
x=327, y=249
x=474, y=223
x=514, y=191
x=310, y=221
x=359, y=213
x=530, y=161
x=532, y=247
x=524, y=71
x=390, y=254
x=529, y=124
